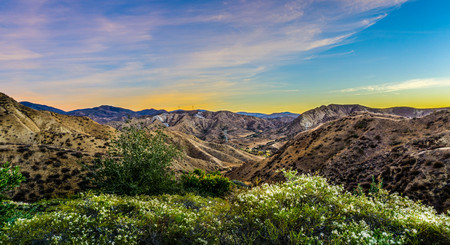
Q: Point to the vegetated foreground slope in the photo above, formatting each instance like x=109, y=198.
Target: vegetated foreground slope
x=302, y=210
x=410, y=156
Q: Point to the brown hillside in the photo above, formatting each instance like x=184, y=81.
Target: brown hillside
x=23, y=125
x=208, y=156
x=223, y=127
x=411, y=156
x=49, y=147
x=317, y=116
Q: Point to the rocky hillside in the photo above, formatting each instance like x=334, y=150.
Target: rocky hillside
x=410, y=156
x=237, y=130
x=208, y=156
x=242, y=130
x=23, y=125
x=315, y=117
x=49, y=148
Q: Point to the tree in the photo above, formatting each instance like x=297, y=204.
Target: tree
x=10, y=178
x=138, y=162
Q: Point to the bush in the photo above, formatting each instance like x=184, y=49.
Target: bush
x=11, y=211
x=211, y=184
x=137, y=163
x=10, y=178
x=302, y=210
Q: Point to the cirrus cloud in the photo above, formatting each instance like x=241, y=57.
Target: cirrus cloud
x=406, y=85
x=150, y=46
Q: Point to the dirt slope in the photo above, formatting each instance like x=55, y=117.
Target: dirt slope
x=49, y=148
x=317, y=116
x=223, y=127
x=208, y=156
x=411, y=156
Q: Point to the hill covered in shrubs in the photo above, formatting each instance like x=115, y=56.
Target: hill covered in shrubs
x=302, y=210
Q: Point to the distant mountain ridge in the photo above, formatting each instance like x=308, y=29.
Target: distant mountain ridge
x=40, y=107
x=101, y=114
x=106, y=113
x=269, y=116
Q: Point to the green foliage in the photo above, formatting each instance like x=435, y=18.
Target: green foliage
x=10, y=212
x=211, y=184
x=303, y=210
x=10, y=178
x=137, y=163
x=375, y=187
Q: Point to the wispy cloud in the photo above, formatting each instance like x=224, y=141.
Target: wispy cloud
x=156, y=46
x=407, y=85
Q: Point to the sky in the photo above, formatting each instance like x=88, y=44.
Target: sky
x=238, y=55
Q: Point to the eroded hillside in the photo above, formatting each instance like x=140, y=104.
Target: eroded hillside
x=410, y=156
x=317, y=116
x=50, y=149
x=223, y=127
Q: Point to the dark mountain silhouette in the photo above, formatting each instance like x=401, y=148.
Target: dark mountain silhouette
x=270, y=116
x=100, y=114
x=40, y=107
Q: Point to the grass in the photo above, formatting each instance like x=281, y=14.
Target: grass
x=303, y=210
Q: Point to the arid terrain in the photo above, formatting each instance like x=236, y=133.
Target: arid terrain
x=407, y=149
x=50, y=148
x=410, y=156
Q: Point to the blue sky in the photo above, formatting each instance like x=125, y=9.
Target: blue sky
x=265, y=56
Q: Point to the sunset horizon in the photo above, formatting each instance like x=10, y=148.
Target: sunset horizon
x=255, y=56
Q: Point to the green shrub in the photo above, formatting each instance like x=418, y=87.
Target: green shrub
x=303, y=210
x=137, y=163
x=211, y=184
x=10, y=178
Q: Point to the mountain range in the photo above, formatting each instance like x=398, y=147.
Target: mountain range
x=107, y=113
x=269, y=116
x=408, y=149
x=100, y=114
